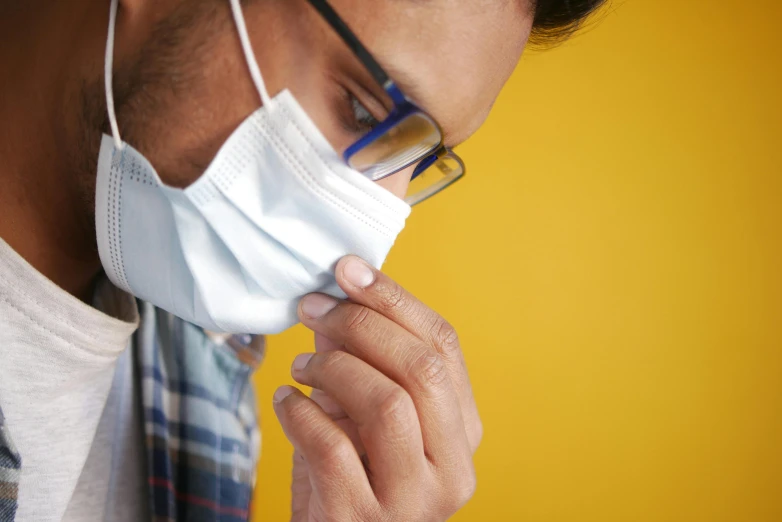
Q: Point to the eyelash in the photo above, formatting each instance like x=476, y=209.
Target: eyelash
x=360, y=120
x=362, y=115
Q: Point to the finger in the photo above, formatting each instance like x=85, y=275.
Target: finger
x=301, y=488
x=372, y=288
x=336, y=471
x=384, y=413
x=404, y=358
x=329, y=405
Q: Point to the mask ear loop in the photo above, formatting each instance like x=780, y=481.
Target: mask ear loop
x=107, y=73
x=249, y=54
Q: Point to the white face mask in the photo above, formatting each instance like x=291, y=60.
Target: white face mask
x=263, y=226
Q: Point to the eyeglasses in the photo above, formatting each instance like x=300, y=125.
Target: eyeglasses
x=407, y=136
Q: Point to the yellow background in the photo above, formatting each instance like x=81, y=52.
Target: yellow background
x=612, y=264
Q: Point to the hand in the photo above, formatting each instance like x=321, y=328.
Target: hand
x=391, y=427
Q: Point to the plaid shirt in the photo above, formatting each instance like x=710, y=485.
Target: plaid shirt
x=200, y=422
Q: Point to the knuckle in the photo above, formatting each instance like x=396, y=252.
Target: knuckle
x=445, y=338
x=357, y=318
x=429, y=371
x=393, y=297
x=396, y=408
x=299, y=412
x=296, y=410
x=328, y=362
x=466, y=489
x=460, y=491
x=369, y=511
x=477, y=433
x=334, y=452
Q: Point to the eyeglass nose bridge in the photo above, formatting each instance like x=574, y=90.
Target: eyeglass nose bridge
x=429, y=161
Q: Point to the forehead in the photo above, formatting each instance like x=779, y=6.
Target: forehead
x=452, y=57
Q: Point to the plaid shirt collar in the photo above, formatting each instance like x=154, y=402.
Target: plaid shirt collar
x=200, y=422
x=10, y=469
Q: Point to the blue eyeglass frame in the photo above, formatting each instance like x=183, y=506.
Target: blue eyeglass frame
x=403, y=107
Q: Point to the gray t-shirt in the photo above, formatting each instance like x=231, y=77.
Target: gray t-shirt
x=112, y=486
x=66, y=390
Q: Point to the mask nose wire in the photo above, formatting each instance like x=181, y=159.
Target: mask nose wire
x=249, y=54
x=244, y=38
x=107, y=72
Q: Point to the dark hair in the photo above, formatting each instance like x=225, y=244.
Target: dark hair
x=555, y=20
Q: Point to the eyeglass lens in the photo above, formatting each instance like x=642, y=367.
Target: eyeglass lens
x=410, y=140
x=436, y=177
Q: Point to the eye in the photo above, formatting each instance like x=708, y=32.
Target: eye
x=356, y=117
x=362, y=116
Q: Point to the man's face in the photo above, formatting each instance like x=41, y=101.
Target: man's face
x=182, y=83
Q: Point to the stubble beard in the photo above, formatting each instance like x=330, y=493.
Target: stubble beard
x=141, y=91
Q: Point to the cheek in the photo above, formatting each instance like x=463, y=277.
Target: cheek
x=397, y=183
x=180, y=129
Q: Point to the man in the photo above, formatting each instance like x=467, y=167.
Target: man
x=219, y=162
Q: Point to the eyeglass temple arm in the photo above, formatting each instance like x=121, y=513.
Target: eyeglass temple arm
x=352, y=41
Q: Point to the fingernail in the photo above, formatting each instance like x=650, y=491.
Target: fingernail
x=281, y=393
x=358, y=273
x=316, y=306
x=300, y=362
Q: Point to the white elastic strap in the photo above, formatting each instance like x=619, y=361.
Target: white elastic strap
x=249, y=55
x=109, y=66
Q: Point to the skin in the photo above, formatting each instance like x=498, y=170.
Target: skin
x=400, y=450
